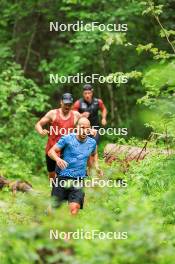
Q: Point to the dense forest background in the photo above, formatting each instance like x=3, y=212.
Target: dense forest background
x=29, y=52
x=27, y=41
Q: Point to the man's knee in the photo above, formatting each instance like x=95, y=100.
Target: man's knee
x=52, y=175
x=74, y=208
x=74, y=211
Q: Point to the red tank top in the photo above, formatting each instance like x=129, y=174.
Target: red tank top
x=58, y=128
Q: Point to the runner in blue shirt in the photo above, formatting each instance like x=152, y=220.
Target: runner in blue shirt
x=71, y=154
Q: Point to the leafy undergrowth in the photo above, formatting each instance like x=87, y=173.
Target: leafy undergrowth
x=145, y=209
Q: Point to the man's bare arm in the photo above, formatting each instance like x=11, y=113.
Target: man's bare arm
x=104, y=115
x=93, y=163
x=42, y=122
x=77, y=115
x=54, y=154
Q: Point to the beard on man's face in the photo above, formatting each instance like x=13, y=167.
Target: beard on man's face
x=66, y=108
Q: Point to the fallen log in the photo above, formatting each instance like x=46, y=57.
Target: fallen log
x=15, y=185
x=126, y=153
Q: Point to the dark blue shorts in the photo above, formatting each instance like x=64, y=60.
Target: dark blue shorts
x=71, y=194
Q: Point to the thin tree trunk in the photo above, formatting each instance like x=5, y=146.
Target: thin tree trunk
x=99, y=92
x=111, y=97
x=113, y=106
x=29, y=46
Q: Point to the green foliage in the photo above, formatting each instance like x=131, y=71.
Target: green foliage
x=145, y=209
x=113, y=38
x=28, y=53
x=152, y=8
x=159, y=83
x=20, y=99
x=157, y=54
x=159, y=78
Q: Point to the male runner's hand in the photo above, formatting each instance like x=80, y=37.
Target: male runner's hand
x=44, y=132
x=103, y=121
x=62, y=164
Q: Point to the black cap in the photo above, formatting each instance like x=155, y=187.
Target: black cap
x=87, y=87
x=67, y=98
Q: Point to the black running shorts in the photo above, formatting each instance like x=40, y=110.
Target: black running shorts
x=68, y=193
x=51, y=164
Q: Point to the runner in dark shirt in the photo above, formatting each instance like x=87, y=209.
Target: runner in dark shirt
x=89, y=107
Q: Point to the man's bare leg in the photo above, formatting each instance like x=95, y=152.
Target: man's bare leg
x=74, y=208
x=51, y=175
x=93, y=160
x=90, y=164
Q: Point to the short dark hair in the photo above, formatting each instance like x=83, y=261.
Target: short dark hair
x=87, y=87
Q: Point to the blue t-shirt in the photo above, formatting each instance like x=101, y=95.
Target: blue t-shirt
x=76, y=154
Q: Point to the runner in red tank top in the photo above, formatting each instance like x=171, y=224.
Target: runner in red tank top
x=61, y=121
x=59, y=127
